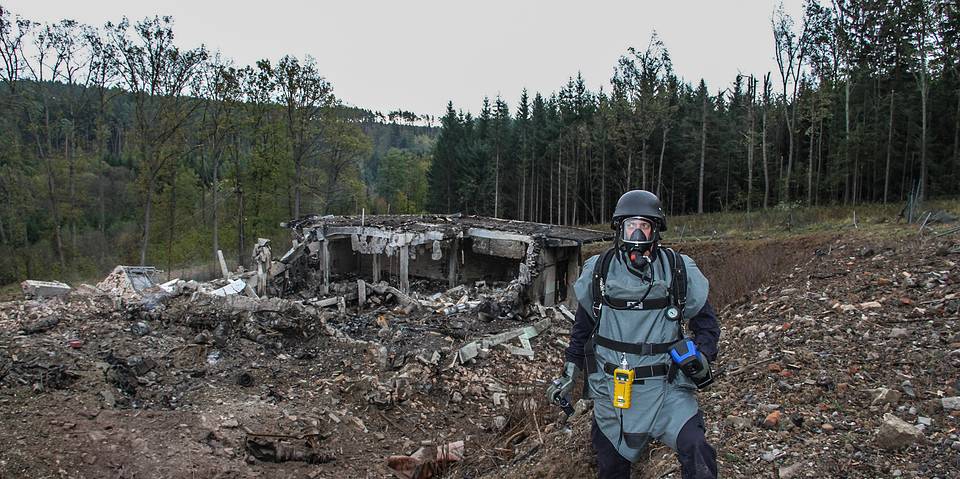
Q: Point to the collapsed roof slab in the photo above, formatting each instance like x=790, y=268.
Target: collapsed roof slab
x=421, y=242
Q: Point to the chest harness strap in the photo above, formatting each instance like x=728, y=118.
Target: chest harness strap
x=676, y=299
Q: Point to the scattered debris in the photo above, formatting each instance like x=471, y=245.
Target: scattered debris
x=129, y=282
x=426, y=462
x=236, y=286
x=182, y=377
x=278, y=450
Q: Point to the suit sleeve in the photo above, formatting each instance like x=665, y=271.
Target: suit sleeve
x=706, y=331
x=582, y=327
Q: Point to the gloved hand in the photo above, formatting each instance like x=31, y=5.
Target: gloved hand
x=692, y=362
x=562, y=386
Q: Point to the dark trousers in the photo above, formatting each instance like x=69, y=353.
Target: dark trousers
x=698, y=460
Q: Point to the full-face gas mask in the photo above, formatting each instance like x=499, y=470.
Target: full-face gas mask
x=637, y=241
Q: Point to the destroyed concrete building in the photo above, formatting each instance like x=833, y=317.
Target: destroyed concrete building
x=447, y=249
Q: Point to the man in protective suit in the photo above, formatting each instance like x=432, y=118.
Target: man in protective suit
x=642, y=368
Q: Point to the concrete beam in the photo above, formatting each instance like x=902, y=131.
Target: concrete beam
x=500, y=247
x=43, y=289
x=361, y=292
x=223, y=264
x=499, y=235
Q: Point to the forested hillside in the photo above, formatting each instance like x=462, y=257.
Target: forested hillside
x=119, y=146
x=865, y=107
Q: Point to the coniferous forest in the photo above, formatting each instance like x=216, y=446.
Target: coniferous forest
x=864, y=107
x=118, y=145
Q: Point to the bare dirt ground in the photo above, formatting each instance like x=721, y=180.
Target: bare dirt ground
x=822, y=336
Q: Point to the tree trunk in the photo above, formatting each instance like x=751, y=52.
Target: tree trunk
x=663, y=148
x=703, y=154
x=643, y=166
x=763, y=157
x=846, y=137
x=886, y=172
x=750, y=132
x=51, y=185
x=576, y=194
x=629, y=169
x=55, y=211
x=71, y=186
x=603, y=182
x=213, y=205
x=559, y=179
x=956, y=138
x=816, y=197
x=496, y=185
x=203, y=188
x=241, y=237
x=173, y=221
x=924, y=93
x=786, y=177
x=522, y=196
x=239, y=190
x=298, y=176
x=810, y=169
x=550, y=209
x=146, y=220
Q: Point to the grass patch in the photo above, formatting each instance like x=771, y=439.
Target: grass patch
x=789, y=220
x=740, y=252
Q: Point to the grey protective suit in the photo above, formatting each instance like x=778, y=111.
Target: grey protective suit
x=659, y=408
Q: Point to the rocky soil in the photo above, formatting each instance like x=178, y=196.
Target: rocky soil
x=845, y=365
x=843, y=360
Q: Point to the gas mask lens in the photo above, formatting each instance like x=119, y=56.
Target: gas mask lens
x=636, y=230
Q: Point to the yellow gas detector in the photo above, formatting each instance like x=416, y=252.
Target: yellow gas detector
x=622, y=384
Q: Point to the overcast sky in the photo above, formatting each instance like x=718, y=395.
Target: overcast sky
x=417, y=55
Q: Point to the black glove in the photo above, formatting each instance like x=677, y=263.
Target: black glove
x=560, y=388
x=688, y=358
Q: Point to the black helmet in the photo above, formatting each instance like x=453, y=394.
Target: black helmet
x=639, y=203
x=635, y=209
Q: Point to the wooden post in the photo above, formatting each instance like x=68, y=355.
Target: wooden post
x=452, y=263
x=404, y=265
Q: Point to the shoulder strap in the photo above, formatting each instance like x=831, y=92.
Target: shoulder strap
x=678, y=285
x=600, y=269
x=599, y=278
x=678, y=278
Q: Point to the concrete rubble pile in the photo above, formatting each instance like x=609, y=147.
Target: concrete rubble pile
x=303, y=365
x=326, y=362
